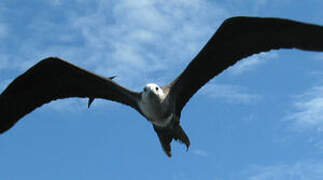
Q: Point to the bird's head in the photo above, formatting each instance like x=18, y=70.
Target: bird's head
x=153, y=90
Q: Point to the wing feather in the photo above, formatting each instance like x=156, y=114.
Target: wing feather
x=237, y=38
x=51, y=79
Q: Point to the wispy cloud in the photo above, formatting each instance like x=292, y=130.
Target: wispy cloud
x=4, y=84
x=252, y=7
x=4, y=62
x=132, y=39
x=230, y=93
x=148, y=36
x=200, y=152
x=252, y=62
x=298, y=171
x=309, y=110
x=56, y=2
x=319, y=57
x=4, y=31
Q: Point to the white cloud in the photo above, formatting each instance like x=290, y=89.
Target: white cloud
x=147, y=36
x=56, y=2
x=309, y=111
x=8, y=62
x=229, y=93
x=298, y=171
x=4, y=31
x=252, y=7
x=4, y=63
x=319, y=56
x=4, y=84
x=4, y=28
x=200, y=152
x=252, y=62
x=130, y=39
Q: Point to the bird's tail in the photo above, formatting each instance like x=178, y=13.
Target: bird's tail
x=167, y=134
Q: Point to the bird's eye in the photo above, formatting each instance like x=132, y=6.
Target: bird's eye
x=157, y=88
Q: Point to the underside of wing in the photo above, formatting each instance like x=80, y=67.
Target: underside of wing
x=237, y=38
x=51, y=79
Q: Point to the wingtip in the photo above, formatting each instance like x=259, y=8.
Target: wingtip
x=90, y=102
x=112, y=77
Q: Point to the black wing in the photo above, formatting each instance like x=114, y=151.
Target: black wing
x=237, y=38
x=51, y=79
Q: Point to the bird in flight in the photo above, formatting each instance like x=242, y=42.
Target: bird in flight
x=238, y=37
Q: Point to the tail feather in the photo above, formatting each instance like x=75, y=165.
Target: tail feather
x=180, y=135
x=166, y=135
x=165, y=140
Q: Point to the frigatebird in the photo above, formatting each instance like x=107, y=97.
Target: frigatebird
x=238, y=37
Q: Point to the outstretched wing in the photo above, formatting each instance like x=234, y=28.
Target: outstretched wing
x=237, y=38
x=51, y=79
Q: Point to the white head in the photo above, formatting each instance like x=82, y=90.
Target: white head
x=152, y=105
x=152, y=89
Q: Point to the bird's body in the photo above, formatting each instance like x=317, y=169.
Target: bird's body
x=154, y=105
x=237, y=38
x=159, y=110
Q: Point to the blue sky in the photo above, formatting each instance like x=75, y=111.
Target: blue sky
x=259, y=120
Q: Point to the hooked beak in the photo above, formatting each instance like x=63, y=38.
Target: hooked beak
x=148, y=91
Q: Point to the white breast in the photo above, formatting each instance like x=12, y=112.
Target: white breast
x=152, y=105
x=153, y=112
x=163, y=122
